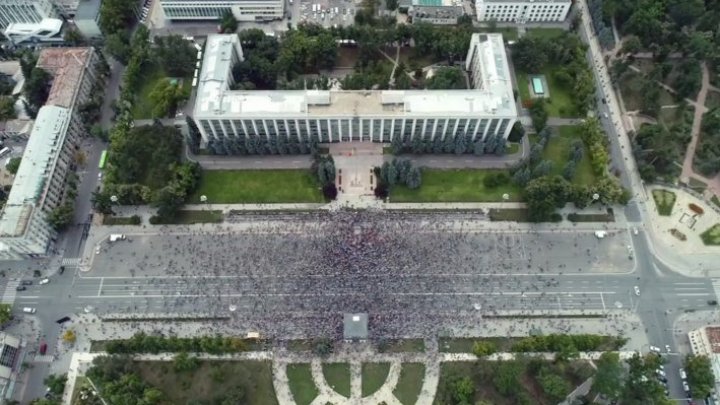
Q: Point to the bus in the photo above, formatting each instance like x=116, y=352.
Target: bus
x=103, y=159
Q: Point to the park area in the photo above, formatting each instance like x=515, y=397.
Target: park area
x=711, y=237
x=153, y=74
x=558, y=151
x=526, y=381
x=211, y=381
x=257, y=187
x=560, y=101
x=461, y=185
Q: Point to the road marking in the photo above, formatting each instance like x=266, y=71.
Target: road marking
x=693, y=295
x=29, y=297
x=102, y=281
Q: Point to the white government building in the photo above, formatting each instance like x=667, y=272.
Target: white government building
x=243, y=10
x=355, y=115
x=522, y=11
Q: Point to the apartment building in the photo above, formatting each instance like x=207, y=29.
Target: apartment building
x=25, y=11
x=355, y=115
x=522, y=11
x=39, y=185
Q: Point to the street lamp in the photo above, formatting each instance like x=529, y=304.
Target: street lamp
x=203, y=199
x=114, y=199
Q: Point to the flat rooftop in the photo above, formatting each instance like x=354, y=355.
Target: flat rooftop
x=67, y=66
x=713, y=335
x=38, y=162
x=215, y=99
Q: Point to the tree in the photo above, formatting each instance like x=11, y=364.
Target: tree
x=609, y=376
x=507, y=376
x=538, y=114
x=388, y=173
x=482, y=348
x=5, y=313
x=685, y=12
x=101, y=202
x=183, y=363
x=61, y=216
x=554, y=386
x=446, y=78
x=392, y=5
x=56, y=383
x=69, y=336
x=13, y=165
x=330, y=191
x=544, y=194
x=37, y=87
x=529, y=54
x=7, y=108
x=165, y=97
x=168, y=200
x=517, y=132
x=414, y=178
x=463, y=390
x=228, y=22
x=631, y=44
x=176, y=55
x=700, y=376
x=116, y=16
x=73, y=37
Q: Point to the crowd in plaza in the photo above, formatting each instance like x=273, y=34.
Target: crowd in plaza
x=412, y=274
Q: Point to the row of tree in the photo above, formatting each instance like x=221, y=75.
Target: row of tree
x=458, y=145
x=394, y=173
x=144, y=343
x=707, y=155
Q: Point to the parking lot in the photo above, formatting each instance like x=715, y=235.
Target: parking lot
x=328, y=13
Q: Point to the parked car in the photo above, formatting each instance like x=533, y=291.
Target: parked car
x=44, y=281
x=20, y=288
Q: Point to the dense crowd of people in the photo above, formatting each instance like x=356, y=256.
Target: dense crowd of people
x=297, y=274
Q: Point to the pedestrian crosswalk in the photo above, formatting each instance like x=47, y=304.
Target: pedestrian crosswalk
x=71, y=261
x=8, y=296
x=716, y=286
x=43, y=358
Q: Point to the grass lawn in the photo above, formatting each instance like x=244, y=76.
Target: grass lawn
x=210, y=380
x=715, y=200
x=559, y=104
x=508, y=33
x=558, y=151
x=523, y=85
x=373, y=377
x=402, y=346
x=664, y=200
x=509, y=214
x=712, y=100
x=257, y=186
x=631, y=88
x=337, y=376
x=548, y=33
x=608, y=217
x=186, y=217
x=513, y=147
x=697, y=185
x=301, y=383
x=110, y=220
x=711, y=237
x=462, y=185
x=410, y=383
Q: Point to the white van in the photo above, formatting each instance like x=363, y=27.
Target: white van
x=29, y=310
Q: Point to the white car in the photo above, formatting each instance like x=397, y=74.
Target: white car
x=637, y=292
x=655, y=349
x=667, y=348
x=682, y=374
x=635, y=231
x=44, y=281
x=686, y=387
x=660, y=373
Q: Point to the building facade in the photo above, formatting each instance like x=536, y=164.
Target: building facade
x=25, y=11
x=39, y=185
x=87, y=18
x=243, y=10
x=223, y=115
x=436, y=11
x=46, y=32
x=522, y=11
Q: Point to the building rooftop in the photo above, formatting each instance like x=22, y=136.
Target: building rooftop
x=524, y=1
x=355, y=326
x=66, y=66
x=214, y=97
x=38, y=162
x=88, y=9
x=49, y=24
x=436, y=3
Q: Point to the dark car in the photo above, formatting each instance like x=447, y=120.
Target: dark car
x=62, y=320
x=20, y=288
x=62, y=269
